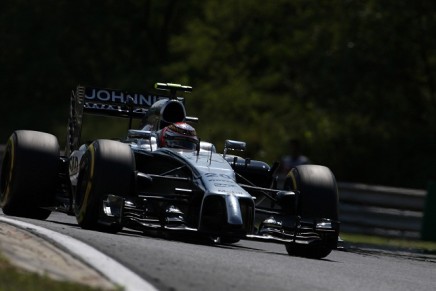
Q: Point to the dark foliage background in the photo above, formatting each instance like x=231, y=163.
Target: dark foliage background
x=353, y=80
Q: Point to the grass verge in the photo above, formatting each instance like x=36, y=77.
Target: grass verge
x=389, y=242
x=12, y=278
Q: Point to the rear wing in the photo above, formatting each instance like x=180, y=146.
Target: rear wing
x=111, y=102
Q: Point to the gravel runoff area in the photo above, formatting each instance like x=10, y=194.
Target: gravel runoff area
x=35, y=254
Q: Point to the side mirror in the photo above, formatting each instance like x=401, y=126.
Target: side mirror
x=234, y=145
x=191, y=119
x=137, y=136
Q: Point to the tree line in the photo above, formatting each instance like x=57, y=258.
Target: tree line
x=354, y=81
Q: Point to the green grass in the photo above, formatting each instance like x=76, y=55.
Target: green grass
x=12, y=278
x=389, y=242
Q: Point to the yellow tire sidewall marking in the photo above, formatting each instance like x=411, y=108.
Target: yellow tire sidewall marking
x=294, y=181
x=7, y=193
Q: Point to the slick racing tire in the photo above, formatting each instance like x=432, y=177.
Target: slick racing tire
x=318, y=251
x=317, y=199
x=29, y=174
x=318, y=191
x=107, y=167
x=227, y=240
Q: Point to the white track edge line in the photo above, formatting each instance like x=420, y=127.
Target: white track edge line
x=113, y=270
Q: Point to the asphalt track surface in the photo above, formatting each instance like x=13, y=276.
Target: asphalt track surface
x=173, y=264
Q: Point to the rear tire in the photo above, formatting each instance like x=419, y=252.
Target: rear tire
x=317, y=199
x=107, y=167
x=29, y=174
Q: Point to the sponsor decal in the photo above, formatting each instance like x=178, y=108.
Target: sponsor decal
x=230, y=192
x=214, y=175
x=98, y=106
x=114, y=96
x=224, y=183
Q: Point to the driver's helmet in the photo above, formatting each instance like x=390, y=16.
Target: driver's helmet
x=178, y=135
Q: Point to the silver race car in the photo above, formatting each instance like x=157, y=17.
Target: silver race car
x=161, y=177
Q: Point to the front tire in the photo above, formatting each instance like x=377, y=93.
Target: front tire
x=318, y=191
x=317, y=199
x=228, y=240
x=107, y=167
x=308, y=251
x=29, y=174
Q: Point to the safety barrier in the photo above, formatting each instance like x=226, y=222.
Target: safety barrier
x=380, y=210
x=377, y=210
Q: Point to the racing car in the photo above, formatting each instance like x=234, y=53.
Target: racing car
x=162, y=177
